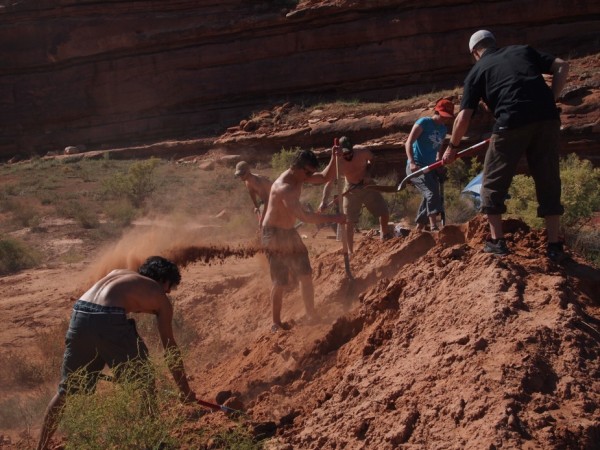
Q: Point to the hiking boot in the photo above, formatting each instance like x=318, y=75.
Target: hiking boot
x=497, y=248
x=386, y=236
x=555, y=252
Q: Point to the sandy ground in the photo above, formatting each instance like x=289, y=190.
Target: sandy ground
x=433, y=345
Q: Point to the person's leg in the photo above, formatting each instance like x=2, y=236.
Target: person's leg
x=495, y=222
x=543, y=161
x=552, y=228
x=276, y=301
x=376, y=205
x=384, y=220
x=421, y=218
x=308, y=295
x=430, y=206
x=51, y=419
x=499, y=168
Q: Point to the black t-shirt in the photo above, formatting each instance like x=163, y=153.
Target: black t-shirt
x=509, y=80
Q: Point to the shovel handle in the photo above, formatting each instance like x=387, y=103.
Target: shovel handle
x=466, y=152
x=215, y=407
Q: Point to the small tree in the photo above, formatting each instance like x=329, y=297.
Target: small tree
x=136, y=185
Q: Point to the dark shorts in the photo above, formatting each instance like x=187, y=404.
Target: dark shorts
x=286, y=253
x=539, y=143
x=98, y=336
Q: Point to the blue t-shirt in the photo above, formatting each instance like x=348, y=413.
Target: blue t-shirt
x=426, y=147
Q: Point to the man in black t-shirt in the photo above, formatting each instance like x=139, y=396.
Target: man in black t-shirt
x=510, y=82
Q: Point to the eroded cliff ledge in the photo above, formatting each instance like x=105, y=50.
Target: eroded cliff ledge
x=124, y=73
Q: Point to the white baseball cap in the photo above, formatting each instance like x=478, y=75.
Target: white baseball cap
x=479, y=36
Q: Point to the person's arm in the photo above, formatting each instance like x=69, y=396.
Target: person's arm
x=173, y=356
x=292, y=202
x=560, y=71
x=460, y=127
x=329, y=173
x=253, y=196
x=412, y=137
x=326, y=192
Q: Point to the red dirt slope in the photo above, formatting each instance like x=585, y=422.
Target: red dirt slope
x=448, y=348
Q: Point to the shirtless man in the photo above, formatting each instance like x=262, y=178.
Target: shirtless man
x=283, y=245
x=258, y=187
x=100, y=334
x=355, y=165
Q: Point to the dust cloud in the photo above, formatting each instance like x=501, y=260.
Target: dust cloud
x=179, y=242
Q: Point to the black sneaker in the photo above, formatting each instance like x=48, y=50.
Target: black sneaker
x=497, y=248
x=556, y=252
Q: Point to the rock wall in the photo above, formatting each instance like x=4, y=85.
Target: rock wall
x=122, y=73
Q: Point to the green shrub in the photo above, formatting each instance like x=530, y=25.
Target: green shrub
x=75, y=210
x=15, y=255
x=586, y=242
x=580, y=194
x=522, y=202
x=580, y=190
x=128, y=414
x=237, y=438
x=136, y=185
x=122, y=213
x=282, y=160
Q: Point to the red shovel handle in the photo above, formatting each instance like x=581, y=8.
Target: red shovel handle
x=466, y=152
x=216, y=407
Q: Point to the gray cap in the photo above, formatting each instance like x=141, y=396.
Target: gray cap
x=241, y=168
x=479, y=36
x=345, y=144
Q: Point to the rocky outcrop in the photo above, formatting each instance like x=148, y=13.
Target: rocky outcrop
x=129, y=73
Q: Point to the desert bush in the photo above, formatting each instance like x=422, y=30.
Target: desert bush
x=20, y=413
x=458, y=207
x=237, y=438
x=128, y=414
x=580, y=190
x=121, y=212
x=73, y=209
x=16, y=255
x=40, y=367
x=282, y=160
x=136, y=185
x=580, y=194
x=586, y=242
x=17, y=370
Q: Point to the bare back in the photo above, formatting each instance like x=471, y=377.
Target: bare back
x=284, y=202
x=129, y=290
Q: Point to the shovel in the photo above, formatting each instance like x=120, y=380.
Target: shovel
x=215, y=407
x=341, y=208
x=466, y=152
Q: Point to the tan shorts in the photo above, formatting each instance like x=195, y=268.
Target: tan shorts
x=359, y=196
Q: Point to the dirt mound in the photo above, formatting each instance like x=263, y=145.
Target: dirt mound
x=445, y=347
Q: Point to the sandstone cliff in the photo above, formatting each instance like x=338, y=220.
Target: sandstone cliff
x=123, y=73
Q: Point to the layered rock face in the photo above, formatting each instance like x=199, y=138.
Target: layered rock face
x=121, y=73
